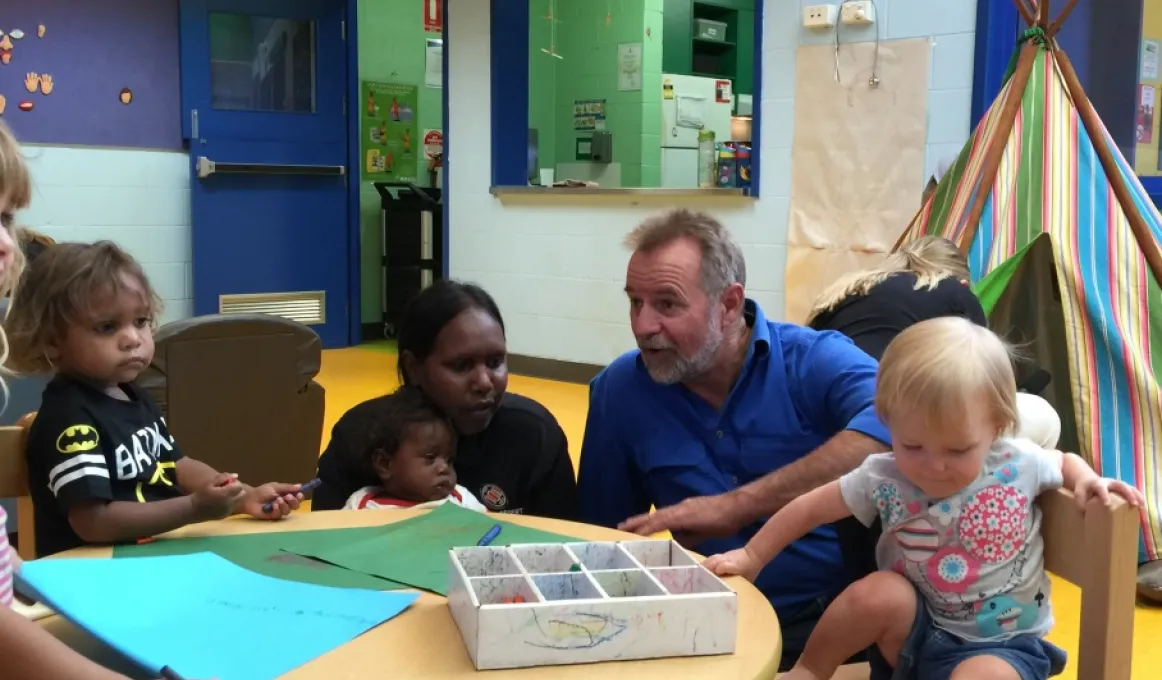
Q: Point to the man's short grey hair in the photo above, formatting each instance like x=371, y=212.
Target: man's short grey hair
x=722, y=260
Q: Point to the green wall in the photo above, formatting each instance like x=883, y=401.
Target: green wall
x=392, y=49
x=542, y=83
x=588, y=33
x=651, y=157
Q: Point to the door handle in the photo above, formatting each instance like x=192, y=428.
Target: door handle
x=207, y=167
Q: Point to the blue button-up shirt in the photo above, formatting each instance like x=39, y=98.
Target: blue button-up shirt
x=649, y=444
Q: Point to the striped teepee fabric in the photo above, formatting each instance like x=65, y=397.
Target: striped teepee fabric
x=1050, y=184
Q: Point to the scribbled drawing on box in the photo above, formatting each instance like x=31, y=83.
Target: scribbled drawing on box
x=575, y=630
x=539, y=605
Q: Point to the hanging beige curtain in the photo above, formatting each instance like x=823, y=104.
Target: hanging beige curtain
x=857, y=164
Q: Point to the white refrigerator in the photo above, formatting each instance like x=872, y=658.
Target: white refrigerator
x=689, y=105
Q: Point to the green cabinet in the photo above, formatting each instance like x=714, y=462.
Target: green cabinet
x=744, y=70
x=685, y=53
x=747, y=5
x=677, y=34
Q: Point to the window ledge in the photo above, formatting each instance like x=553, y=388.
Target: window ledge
x=537, y=195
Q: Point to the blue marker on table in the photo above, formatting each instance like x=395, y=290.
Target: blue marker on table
x=490, y=536
x=309, y=486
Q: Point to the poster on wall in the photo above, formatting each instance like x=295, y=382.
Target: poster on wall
x=1149, y=60
x=1145, y=121
x=434, y=63
x=433, y=21
x=722, y=93
x=52, y=91
x=388, y=134
x=629, y=67
x=433, y=143
x=588, y=114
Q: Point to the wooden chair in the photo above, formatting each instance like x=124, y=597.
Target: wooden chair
x=14, y=482
x=1098, y=552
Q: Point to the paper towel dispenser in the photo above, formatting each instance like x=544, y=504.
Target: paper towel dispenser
x=601, y=148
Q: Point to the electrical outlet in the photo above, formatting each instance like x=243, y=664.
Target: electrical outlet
x=820, y=16
x=860, y=12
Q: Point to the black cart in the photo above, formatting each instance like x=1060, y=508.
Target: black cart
x=412, y=223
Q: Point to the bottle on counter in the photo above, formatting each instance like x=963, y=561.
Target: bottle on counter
x=707, y=160
x=742, y=166
x=726, y=156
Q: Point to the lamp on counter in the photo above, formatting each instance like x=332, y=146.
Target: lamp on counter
x=740, y=127
x=740, y=122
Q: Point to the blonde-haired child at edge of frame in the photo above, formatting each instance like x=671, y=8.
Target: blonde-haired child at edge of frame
x=28, y=651
x=961, y=590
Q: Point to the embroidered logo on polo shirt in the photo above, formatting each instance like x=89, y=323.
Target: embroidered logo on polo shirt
x=493, y=497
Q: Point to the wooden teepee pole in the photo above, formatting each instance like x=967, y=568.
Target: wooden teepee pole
x=1060, y=20
x=1000, y=139
x=1027, y=12
x=1101, y=144
x=907, y=230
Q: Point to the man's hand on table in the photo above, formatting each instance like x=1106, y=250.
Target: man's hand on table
x=694, y=520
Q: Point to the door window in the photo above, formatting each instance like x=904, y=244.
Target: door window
x=261, y=63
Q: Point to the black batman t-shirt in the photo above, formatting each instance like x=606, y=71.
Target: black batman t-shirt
x=85, y=445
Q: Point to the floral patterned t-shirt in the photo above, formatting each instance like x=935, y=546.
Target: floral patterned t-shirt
x=977, y=558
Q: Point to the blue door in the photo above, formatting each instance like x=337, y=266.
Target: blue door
x=263, y=94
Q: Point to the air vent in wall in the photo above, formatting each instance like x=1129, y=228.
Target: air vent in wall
x=306, y=307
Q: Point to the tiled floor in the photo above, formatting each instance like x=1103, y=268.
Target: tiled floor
x=353, y=375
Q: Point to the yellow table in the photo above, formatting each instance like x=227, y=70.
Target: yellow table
x=423, y=641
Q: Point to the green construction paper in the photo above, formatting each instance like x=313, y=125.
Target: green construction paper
x=278, y=555
x=415, y=551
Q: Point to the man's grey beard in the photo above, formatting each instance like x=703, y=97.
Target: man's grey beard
x=671, y=371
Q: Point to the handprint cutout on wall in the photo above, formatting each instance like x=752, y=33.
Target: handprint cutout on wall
x=46, y=84
x=32, y=82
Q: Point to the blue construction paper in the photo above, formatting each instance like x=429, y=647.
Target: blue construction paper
x=204, y=616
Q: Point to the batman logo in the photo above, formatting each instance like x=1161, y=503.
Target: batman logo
x=77, y=439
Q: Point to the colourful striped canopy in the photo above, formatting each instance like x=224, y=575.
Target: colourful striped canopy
x=1051, y=185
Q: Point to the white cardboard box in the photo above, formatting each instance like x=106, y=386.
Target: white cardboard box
x=548, y=604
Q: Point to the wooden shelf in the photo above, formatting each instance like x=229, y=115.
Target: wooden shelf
x=723, y=44
x=684, y=52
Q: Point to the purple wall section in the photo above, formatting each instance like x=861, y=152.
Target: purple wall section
x=92, y=50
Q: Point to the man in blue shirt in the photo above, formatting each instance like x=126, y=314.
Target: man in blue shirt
x=721, y=417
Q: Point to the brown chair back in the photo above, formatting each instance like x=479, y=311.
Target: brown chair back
x=239, y=394
x=14, y=483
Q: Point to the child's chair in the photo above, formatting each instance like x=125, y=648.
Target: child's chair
x=1098, y=552
x=14, y=483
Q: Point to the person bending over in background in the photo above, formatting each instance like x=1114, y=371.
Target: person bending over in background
x=925, y=279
